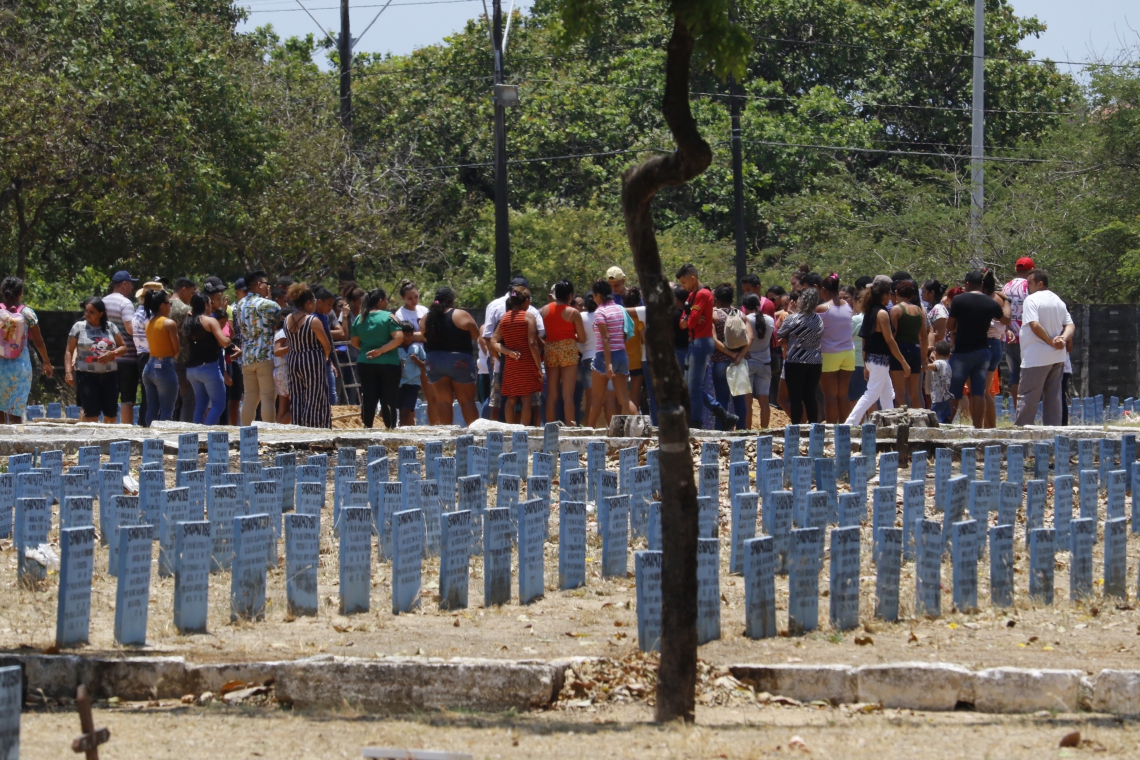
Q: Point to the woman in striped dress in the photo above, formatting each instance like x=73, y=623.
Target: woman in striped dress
x=516, y=339
x=309, y=350
x=802, y=334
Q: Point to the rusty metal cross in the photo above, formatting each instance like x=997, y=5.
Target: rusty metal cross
x=90, y=739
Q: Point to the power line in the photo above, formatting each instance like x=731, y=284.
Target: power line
x=377, y=5
x=567, y=157
x=886, y=151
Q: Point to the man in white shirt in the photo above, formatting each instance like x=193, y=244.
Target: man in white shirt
x=121, y=312
x=494, y=314
x=1046, y=327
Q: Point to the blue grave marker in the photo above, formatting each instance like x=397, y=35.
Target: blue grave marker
x=709, y=483
x=153, y=450
x=844, y=607
x=542, y=465
x=11, y=701
x=33, y=522
x=342, y=476
x=825, y=481
x=816, y=434
x=54, y=410
x=7, y=503
x=769, y=477
x=850, y=511
x=708, y=519
x=479, y=463
x=494, y=449
x=736, y=450
x=497, y=533
x=943, y=464
x=1088, y=411
x=410, y=478
x=1001, y=565
x=991, y=469
x=433, y=514
x=607, y=487
x=595, y=463
x=192, y=548
x=247, y=443
x=1106, y=461
x=653, y=462
x=1063, y=507
x=120, y=452
x=302, y=558
x=708, y=590
x=124, y=510
x=472, y=499
x=31, y=485
x=1117, y=485
x=550, y=432
x=463, y=444
x=310, y=497
x=1128, y=456
x=615, y=539
x=918, y=466
x=803, y=580
x=446, y=482
x=174, y=508
x=89, y=456
x=858, y=478
x=801, y=486
x=745, y=507
x=569, y=460
x=237, y=480
x=188, y=445
x=764, y=447
x=760, y=588
x=376, y=473
x=1115, y=557
x=1015, y=463
x=223, y=508
x=76, y=512
x=1062, y=455
x=956, y=501
x=914, y=508
x=132, y=593
x=73, y=412
x=433, y=450
x=781, y=506
x=509, y=465
x=571, y=544
x=889, y=469
x=842, y=439
x=868, y=446
x=1042, y=543
x=791, y=450
x=52, y=461
x=641, y=493
x=218, y=448
x=1082, y=534
x=1041, y=455
x=964, y=555
x=647, y=574
x=887, y=573
x=531, y=518
x=883, y=511
x=969, y=457
x=710, y=453
x=1088, y=485
x=738, y=479
x=654, y=531
x=573, y=484
x=247, y=587
x=76, y=569
x=355, y=559
x=454, y=560
x=1009, y=502
x=928, y=570
x=1034, y=505
x=520, y=447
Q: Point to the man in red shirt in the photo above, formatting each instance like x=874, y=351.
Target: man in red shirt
x=698, y=319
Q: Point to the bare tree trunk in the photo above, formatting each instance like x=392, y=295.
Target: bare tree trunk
x=677, y=674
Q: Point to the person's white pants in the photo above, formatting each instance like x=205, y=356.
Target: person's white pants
x=879, y=389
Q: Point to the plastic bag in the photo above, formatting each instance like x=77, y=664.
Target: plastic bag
x=737, y=376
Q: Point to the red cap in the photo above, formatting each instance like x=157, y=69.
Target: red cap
x=1025, y=263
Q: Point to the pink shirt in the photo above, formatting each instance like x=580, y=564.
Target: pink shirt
x=614, y=318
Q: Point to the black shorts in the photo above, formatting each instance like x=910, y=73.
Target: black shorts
x=98, y=393
x=409, y=395
x=234, y=392
x=128, y=382
x=913, y=356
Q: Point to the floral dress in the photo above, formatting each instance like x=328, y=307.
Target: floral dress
x=16, y=374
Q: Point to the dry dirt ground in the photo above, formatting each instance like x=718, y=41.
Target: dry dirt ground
x=139, y=732
x=600, y=619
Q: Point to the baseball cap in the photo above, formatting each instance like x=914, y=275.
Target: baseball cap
x=882, y=278
x=615, y=273
x=520, y=281
x=122, y=276
x=973, y=277
x=212, y=286
x=239, y=284
x=1025, y=263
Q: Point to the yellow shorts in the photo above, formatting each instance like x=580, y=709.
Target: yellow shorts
x=841, y=360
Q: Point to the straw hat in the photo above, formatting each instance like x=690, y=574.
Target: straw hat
x=147, y=286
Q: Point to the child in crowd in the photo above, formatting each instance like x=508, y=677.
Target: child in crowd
x=414, y=377
x=281, y=369
x=942, y=402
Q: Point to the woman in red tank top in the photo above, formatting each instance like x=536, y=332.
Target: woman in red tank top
x=564, y=331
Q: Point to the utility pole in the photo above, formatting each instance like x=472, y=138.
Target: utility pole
x=977, y=136
x=738, y=187
x=502, y=221
x=344, y=52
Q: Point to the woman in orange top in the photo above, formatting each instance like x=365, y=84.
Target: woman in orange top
x=564, y=331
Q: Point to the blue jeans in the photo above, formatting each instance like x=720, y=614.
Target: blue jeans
x=160, y=382
x=332, y=382
x=700, y=351
x=209, y=392
x=972, y=366
x=724, y=396
x=943, y=410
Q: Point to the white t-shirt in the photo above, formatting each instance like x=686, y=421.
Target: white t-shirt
x=1046, y=309
x=590, y=347
x=404, y=314
x=495, y=311
x=139, y=320
x=279, y=361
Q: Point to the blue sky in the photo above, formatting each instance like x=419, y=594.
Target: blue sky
x=1077, y=30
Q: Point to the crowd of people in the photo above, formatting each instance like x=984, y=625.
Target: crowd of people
x=821, y=351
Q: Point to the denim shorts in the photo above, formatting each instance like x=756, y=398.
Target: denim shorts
x=913, y=356
x=458, y=366
x=1013, y=359
x=996, y=353
x=408, y=396
x=972, y=366
x=618, y=360
x=759, y=378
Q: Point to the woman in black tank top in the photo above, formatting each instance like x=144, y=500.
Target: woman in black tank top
x=448, y=336
x=204, y=362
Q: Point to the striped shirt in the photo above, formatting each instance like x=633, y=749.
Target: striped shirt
x=614, y=318
x=803, y=333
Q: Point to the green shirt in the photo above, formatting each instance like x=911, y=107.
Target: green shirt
x=375, y=330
